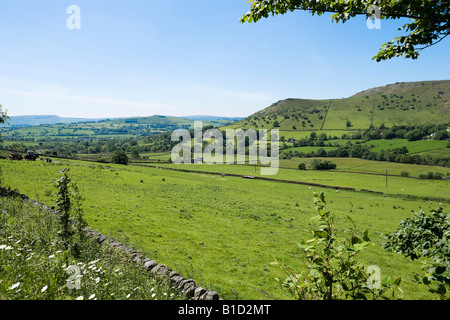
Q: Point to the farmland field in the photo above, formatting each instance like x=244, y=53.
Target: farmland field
x=225, y=231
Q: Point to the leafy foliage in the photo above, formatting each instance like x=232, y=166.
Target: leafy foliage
x=119, y=157
x=68, y=207
x=3, y=118
x=428, y=25
x=322, y=164
x=426, y=235
x=333, y=270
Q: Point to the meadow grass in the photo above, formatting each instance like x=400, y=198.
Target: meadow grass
x=412, y=146
x=223, y=231
x=351, y=173
x=34, y=264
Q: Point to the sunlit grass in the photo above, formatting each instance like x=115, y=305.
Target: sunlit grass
x=35, y=266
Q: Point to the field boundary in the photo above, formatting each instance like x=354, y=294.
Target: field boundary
x=187, y=287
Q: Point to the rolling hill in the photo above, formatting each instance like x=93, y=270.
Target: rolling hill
x=35, y=120
x=135, y=126
x=400, y=103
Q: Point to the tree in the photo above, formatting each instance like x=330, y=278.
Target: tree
x=119, y=157
x=3, y=118
x=135, y=152
x=427, y=27
x=68, y=206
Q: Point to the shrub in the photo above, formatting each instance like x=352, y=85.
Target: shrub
x=302, y=166
x=68, y=208
x=322, y=164
x=428, y=236
x=119, y=157
x=404, y=173
x=333, y=270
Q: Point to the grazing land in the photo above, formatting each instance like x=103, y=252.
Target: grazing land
x=224, y=231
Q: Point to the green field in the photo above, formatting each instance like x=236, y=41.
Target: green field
x=412, y=146
x=225, y=231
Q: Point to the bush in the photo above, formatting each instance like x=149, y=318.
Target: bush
x=302, y=166
x=119, y=157
x=333, y=269
x=404, y=173
x=431, y=175
x=428, y=236
x=322, y=164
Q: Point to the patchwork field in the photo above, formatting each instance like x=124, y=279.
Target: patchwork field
x=225, y=231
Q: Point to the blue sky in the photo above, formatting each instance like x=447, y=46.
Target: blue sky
x=179, y=57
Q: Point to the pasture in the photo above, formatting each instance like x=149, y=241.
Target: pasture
x=224, y=231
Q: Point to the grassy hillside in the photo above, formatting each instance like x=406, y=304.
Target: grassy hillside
x=400, y=103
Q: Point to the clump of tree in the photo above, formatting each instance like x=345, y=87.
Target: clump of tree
x=432, y=175
x=318, y=164
x=119, y=157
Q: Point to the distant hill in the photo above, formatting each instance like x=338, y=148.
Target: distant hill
x=35, y=120
x=214, y=118
x=399, y=103
x=70, y=128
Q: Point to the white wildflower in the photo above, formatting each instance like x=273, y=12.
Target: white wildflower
x=44, y=289
x=51, y=256
x=92, y=296
x=80, y=298
x=15, y=285
x=95, y=261
x=128, y=295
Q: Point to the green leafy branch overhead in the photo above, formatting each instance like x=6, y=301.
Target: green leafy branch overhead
x=429, y=19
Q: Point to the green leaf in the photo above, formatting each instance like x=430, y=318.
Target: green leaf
x=426, y=281
x=351, y=220
x=441, y=289
x=366, y=236
x=440, y=270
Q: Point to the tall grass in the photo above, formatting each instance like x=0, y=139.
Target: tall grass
x=34, y=264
